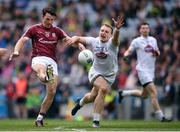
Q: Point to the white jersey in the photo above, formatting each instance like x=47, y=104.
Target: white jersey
x=144, y=46
x=105, y=56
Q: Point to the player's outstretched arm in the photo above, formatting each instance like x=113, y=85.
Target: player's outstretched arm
x=127, y=53
x=118, y=24
x=75, y=40
x=17, y=47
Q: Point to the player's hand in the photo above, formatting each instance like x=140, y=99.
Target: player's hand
x=81, y=46
x=67, y=41
x=119, y=22
x=155, y=53
x=13, y=55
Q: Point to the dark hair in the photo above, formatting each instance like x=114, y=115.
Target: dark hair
x=49, y=10
x=107, y=25
x=143, y=23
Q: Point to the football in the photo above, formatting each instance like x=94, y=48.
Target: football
x=85, y=57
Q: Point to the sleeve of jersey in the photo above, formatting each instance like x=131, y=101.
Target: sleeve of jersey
x=156, y=46
x=133, y=45
x=61, y=34
x=29, y=33
x=89, y=40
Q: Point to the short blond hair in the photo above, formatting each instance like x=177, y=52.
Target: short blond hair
x=108, y=25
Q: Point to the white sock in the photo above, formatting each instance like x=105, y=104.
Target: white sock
x=96, y=116
x=40, y=117
x=159, y=115
x=81, y=102
x=128, y=92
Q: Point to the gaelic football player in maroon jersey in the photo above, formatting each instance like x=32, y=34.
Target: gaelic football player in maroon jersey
x=44, y=38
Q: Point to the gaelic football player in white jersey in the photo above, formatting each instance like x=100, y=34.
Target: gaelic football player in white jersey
x=147, y=51
x=103, y=71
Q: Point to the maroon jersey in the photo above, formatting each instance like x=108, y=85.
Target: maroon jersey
x=44, y=40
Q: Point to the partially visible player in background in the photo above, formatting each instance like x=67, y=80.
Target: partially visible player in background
x=45, y=38
x=103, y=71
x=147, y=51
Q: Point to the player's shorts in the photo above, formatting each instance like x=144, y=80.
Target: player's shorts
x=43, y=60
x=93, y=76
x=21, y=100
x=145, y=77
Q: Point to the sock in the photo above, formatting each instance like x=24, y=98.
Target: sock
x=159, y=115
x=40, y=116
x=81, y=102
x=96, y=116
x=128, y=92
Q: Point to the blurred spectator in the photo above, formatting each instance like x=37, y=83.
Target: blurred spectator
x=33, y=102
x=168, y=92
x=21, y=87
x=10, y=94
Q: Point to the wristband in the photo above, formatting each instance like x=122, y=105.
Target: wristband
x=117, y=29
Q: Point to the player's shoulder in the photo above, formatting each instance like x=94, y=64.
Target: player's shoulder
x=35, y=26
x=57, y=28
x=137, y=38
x=152, y=38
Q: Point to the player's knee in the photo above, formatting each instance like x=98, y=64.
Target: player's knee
x=41, y=76
x=103, y=90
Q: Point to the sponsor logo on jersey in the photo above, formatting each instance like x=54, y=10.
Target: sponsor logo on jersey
x=101, y=55
x=101, y=52
x=53, y=35
x=47, y=42
x=47, y=34
x=149, y=49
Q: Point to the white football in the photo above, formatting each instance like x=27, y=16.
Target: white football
x=85, y=57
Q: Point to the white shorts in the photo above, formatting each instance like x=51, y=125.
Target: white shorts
x=43, y=60
x=145, y=77
x=93, y=75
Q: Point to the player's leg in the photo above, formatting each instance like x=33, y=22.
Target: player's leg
x=135, y=92
x=40, y=70
x=44, y=66
x=144, y=78
x=46, y=70
x=103, y=88
x=88, y=98
x=151, y=88
x=50, y=93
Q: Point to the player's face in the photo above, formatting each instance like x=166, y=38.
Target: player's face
x=105, y=33
x=144, y=30
x=48, y=20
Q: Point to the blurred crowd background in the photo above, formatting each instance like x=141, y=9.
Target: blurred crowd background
x=84, y=17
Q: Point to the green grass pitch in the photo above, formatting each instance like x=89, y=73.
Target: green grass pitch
x=106, y=125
